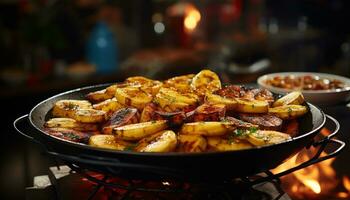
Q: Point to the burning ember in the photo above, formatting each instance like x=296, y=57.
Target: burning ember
x=318, y=181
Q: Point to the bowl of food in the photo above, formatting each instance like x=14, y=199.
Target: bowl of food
x=317, y=88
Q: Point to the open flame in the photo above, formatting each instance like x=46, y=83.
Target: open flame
x=317, y=181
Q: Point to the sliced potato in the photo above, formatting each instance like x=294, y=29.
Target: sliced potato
x=180, y=83
x=67, y=108
x=133, y=96
x=175, y=96
x=138, y=80
x=133, y=132
x=206, y=128
x=164, y=141
x=70, y=124
x=288, y=111
x=109, y=105
x=293, y=98
x=222, y=144
x=251, y=106
x=205, y=82
x=171, y=100
x=168, y=104
x=147, y=85
x=262, y=137
x=99, y=96
x=107, y=142
x=192, y=143
x=217, y=99
x=89, y=115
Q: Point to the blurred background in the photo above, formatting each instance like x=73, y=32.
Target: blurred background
x=50, y=46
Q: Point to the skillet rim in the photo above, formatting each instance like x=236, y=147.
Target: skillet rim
x=170, y=154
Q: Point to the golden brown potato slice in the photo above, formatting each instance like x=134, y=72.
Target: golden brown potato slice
x=171, y=100
x=217, y=99
x=191, y=143
x=205, y=82
x=109, y=106
x=288, y=111
x=206, y=128
x=67, y=108
x=133, y=96
x=222, y=144
x=147, y=85
x=293, y=98
x=89, y=115
x=263, y=137
x=70, y=124
x=107, y=142
x=99, y=96
x=180, y=83
x=251, y=106
x=134, y=132
x=164, y=141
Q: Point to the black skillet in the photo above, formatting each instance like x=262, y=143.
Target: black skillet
x=196, y=166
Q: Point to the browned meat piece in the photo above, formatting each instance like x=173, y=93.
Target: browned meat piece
x=263, y=94
x=153, y=112
x=121, y=117
x=264, y=121
x=209, y=112
x=232, y=91
x=239, y=123
x=173, y=118
x=70, y=135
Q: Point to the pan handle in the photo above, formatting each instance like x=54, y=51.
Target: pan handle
x=337, y=127
x=317, y=157
x=18, y=125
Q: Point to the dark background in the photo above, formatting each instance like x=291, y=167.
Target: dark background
x=41, y=40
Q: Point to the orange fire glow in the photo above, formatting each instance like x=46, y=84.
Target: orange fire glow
x=192, y=17
x=314, y=181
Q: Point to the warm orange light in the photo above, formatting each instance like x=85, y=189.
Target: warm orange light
x=346, y=183
x=342, y=195
x=313, y=185
x=313, y=180
x=190, y=22
x=192, y=17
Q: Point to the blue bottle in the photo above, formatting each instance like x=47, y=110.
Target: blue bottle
x=102, y=49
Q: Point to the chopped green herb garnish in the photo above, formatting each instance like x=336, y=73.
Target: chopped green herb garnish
x=253, y=129
x=239, y=132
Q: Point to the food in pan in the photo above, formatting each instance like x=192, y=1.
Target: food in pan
x=189, y=113
x=305, y=82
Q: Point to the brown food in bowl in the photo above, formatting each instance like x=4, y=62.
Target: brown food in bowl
x=306, y=82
